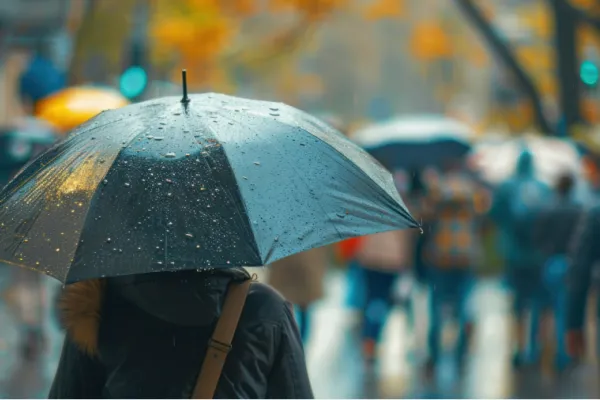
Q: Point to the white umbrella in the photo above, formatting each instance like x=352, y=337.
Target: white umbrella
x=496, y=159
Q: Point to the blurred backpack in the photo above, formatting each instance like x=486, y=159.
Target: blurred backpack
x=453, y=238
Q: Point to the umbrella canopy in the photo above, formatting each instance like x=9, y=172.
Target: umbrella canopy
x=416, y=142
x=73, y=106
x=167, y=185
x=496, y=159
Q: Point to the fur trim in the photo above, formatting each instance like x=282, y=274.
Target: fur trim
x=80, y=307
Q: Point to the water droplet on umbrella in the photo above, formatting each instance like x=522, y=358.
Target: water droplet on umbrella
x=187, y=154
x=108, y=240
x=57, y=250
x=274, y=114
x=273, y=108
x=197, y=246
x=150, y=137
x=105, y=181
x=159, y=263
x=101, y=161
x=159, y=138
x=170, y=155
x=177, y=113
x=256, y=163
x=245, y=178
x=139, y=249
x=228, y=262
x=170, y=223
x=127, y=185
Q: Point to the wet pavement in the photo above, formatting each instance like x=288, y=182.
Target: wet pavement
x=334, y=360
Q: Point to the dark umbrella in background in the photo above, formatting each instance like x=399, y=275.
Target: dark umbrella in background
x=415, y=142
x=211, y=181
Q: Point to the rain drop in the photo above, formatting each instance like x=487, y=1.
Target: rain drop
x=274, y=114
x=108, y=240
x=159, y=138
x=57, y=250
x=256, y=163
x=127, y=185
x=169, y=194
x=277, y=238
x=170, y=155
x=273, y=108
x=177, y=113
x=105, y=182
x=245, y=178
x=159, y=263
x=228, y=262
x=168, y=181
x=197, y=246
x=189, y=235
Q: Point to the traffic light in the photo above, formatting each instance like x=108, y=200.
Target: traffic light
x=134, y=80
x=589, y=73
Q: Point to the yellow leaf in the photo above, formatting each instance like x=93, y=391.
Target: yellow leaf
x=382, y=9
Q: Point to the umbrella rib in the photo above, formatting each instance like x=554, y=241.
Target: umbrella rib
x=254, y=245
x=296, y=172
x=133, y=137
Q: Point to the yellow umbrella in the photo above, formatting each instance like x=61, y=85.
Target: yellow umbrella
x=73, y=106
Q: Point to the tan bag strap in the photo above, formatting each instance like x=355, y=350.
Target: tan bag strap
x=220, y=343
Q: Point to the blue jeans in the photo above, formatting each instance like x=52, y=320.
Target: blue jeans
x=379, y=287
x=554, y=280
x=356, y=291
x=452, y=287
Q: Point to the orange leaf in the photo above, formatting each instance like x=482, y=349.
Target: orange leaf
x=382, y=9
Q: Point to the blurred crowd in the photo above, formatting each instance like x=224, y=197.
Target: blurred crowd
x=522, y=208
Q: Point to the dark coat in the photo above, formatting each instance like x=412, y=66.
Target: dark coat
x=146, y=337
x=584, y=254
x=555, y=227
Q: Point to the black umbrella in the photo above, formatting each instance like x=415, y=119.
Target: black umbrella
x=211, y=182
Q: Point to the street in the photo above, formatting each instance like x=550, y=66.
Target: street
x=335, y=364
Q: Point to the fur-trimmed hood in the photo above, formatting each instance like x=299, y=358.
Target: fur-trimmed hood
x=188, y=298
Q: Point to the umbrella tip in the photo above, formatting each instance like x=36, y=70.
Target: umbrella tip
x=185, y=98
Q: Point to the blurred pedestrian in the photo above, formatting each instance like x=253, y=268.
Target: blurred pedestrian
x=452, y=252
x=381, y=258
x=584, y=256
x=515, y=207
x=554, y=231
x=145, y=336
x=299, y=278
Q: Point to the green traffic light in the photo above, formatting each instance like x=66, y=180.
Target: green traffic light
x=589, y=74
x=133, y=82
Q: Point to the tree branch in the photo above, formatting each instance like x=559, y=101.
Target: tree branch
x=504, y=52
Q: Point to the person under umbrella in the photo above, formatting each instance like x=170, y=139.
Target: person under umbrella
x=515, y=206
x=554, y=229
x=451, y=253
x=158, y=202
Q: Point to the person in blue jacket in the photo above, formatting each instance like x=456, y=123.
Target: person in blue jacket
x=515, y=205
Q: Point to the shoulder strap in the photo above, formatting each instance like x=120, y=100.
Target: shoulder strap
x=220, y=343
